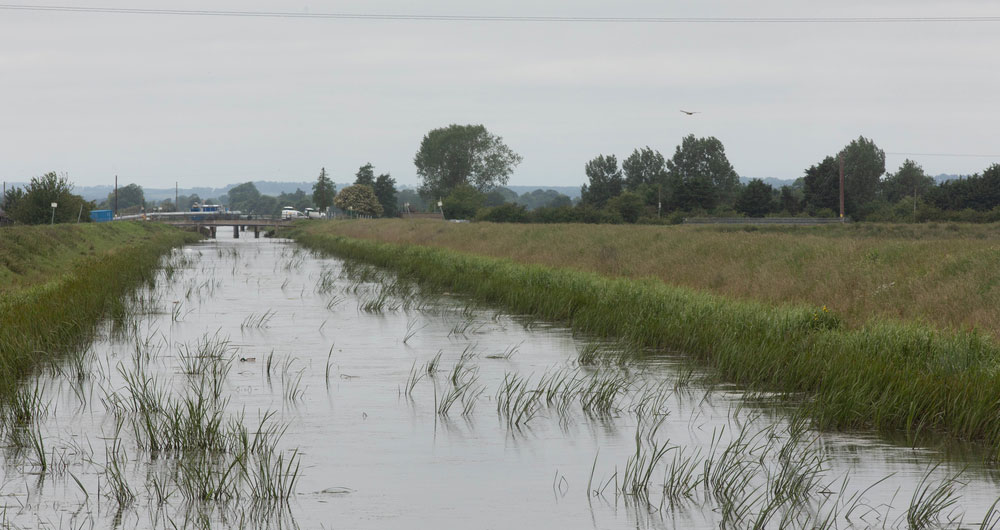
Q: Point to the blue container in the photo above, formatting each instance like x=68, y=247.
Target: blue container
x=101, y=216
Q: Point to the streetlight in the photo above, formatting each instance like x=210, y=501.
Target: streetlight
x=53, y=221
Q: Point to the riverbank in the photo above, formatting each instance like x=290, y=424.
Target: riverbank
x=57, y=282
x=944, y=275
x=880, y=375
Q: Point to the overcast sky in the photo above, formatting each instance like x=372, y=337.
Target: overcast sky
x=208, y=101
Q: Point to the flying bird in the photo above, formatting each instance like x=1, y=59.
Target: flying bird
x=690, y=113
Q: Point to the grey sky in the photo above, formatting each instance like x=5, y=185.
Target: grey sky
x=214, y=100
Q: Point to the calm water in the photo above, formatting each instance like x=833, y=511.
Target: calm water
x=373, y=454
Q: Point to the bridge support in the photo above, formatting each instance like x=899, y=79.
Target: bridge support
x=213, y=232
x=236, y=232
x=256, y=232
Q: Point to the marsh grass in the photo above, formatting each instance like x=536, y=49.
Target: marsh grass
x=886, y=376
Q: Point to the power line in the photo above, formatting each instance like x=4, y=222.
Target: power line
x=956, y=155
x=500, y=18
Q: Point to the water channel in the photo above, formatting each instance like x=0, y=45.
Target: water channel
x=402, y=409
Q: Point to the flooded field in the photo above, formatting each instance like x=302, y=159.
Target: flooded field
x=257, y=385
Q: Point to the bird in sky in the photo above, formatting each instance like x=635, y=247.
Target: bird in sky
x=690, y=112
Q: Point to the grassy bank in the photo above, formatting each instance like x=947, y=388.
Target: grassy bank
x=944, y=275
x=883, y=376
x=56, y=283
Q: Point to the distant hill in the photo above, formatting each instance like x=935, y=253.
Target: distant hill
x=776, y=183
x=944, y=177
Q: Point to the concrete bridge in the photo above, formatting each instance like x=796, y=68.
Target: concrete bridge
x=239, y=225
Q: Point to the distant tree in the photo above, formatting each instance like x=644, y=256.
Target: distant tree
x=908, y=181
x=701, y=175
x=605, y=181
x=244, y=198
x=541, y=198
x=130, y=197
x=323, y=191
x=463, y=155
x=359, y=199
x=185, y=202
x=864, y=165
x=385, y=192
x=463, y=202
x=167, y=205
x=789, y=202
x=365, y=176
x=298, y=200
x=756, y=199
x=629, y=205
x=413, y=199
x=498, y=196
x=822, y=185
x=644, y=167
x=33, y=204
x=504, y=213
x=976, y=193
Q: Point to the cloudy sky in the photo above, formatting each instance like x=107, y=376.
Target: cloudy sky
x=211, y=100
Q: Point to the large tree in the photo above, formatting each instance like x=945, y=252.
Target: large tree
x=909, y=181
x=244, y=198
x=323, y=191
x=358, y=199
x=606, y=181
x=33, y=204
x=644, y=167
x=129, y=197
x=756, y=199
x=385, y=192
x=822, y=185
x=463, y=154
x=365, y=175
x=864, y=165
x=701, y=175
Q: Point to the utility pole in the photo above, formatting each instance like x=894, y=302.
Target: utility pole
x=841, y=157
x=116, y=195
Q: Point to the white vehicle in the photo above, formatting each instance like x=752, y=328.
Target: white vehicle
x=312, y=213
x=289, y=212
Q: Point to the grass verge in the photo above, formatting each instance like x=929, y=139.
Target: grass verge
x=58, y=282
x=944, y=275
x=885, y=376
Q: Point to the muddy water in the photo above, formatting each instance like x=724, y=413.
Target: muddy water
x=330, y=357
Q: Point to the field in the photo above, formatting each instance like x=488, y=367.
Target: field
x=57, y=282
x=944, y=275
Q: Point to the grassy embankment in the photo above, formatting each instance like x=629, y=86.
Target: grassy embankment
x=57, y=282
x=757, y=314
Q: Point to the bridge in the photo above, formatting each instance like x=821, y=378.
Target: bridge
x=211, y=224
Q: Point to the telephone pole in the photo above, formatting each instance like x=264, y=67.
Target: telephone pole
x=841, y=157
x=116, y=195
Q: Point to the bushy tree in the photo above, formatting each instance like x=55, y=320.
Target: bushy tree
x=756, y=199
x=365, y=176
x=504, y=213
x=822, y=185
x=789, y=202
x=908, y=181
x=463, y=202
x=605, y=181
x=701, y=176
x=244, y=198
x=463, y=155
x=359, y=199
x=323, y=191
x=864, y=165
x=976, y=193
x=644, y=167
x=33, y=204
x=628, y=205
x=498, y=196
x=298, y=200
x=130, y=197
x=385, y=191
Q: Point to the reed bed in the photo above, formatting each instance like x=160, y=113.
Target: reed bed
x=885, y=376
x=56, y=313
